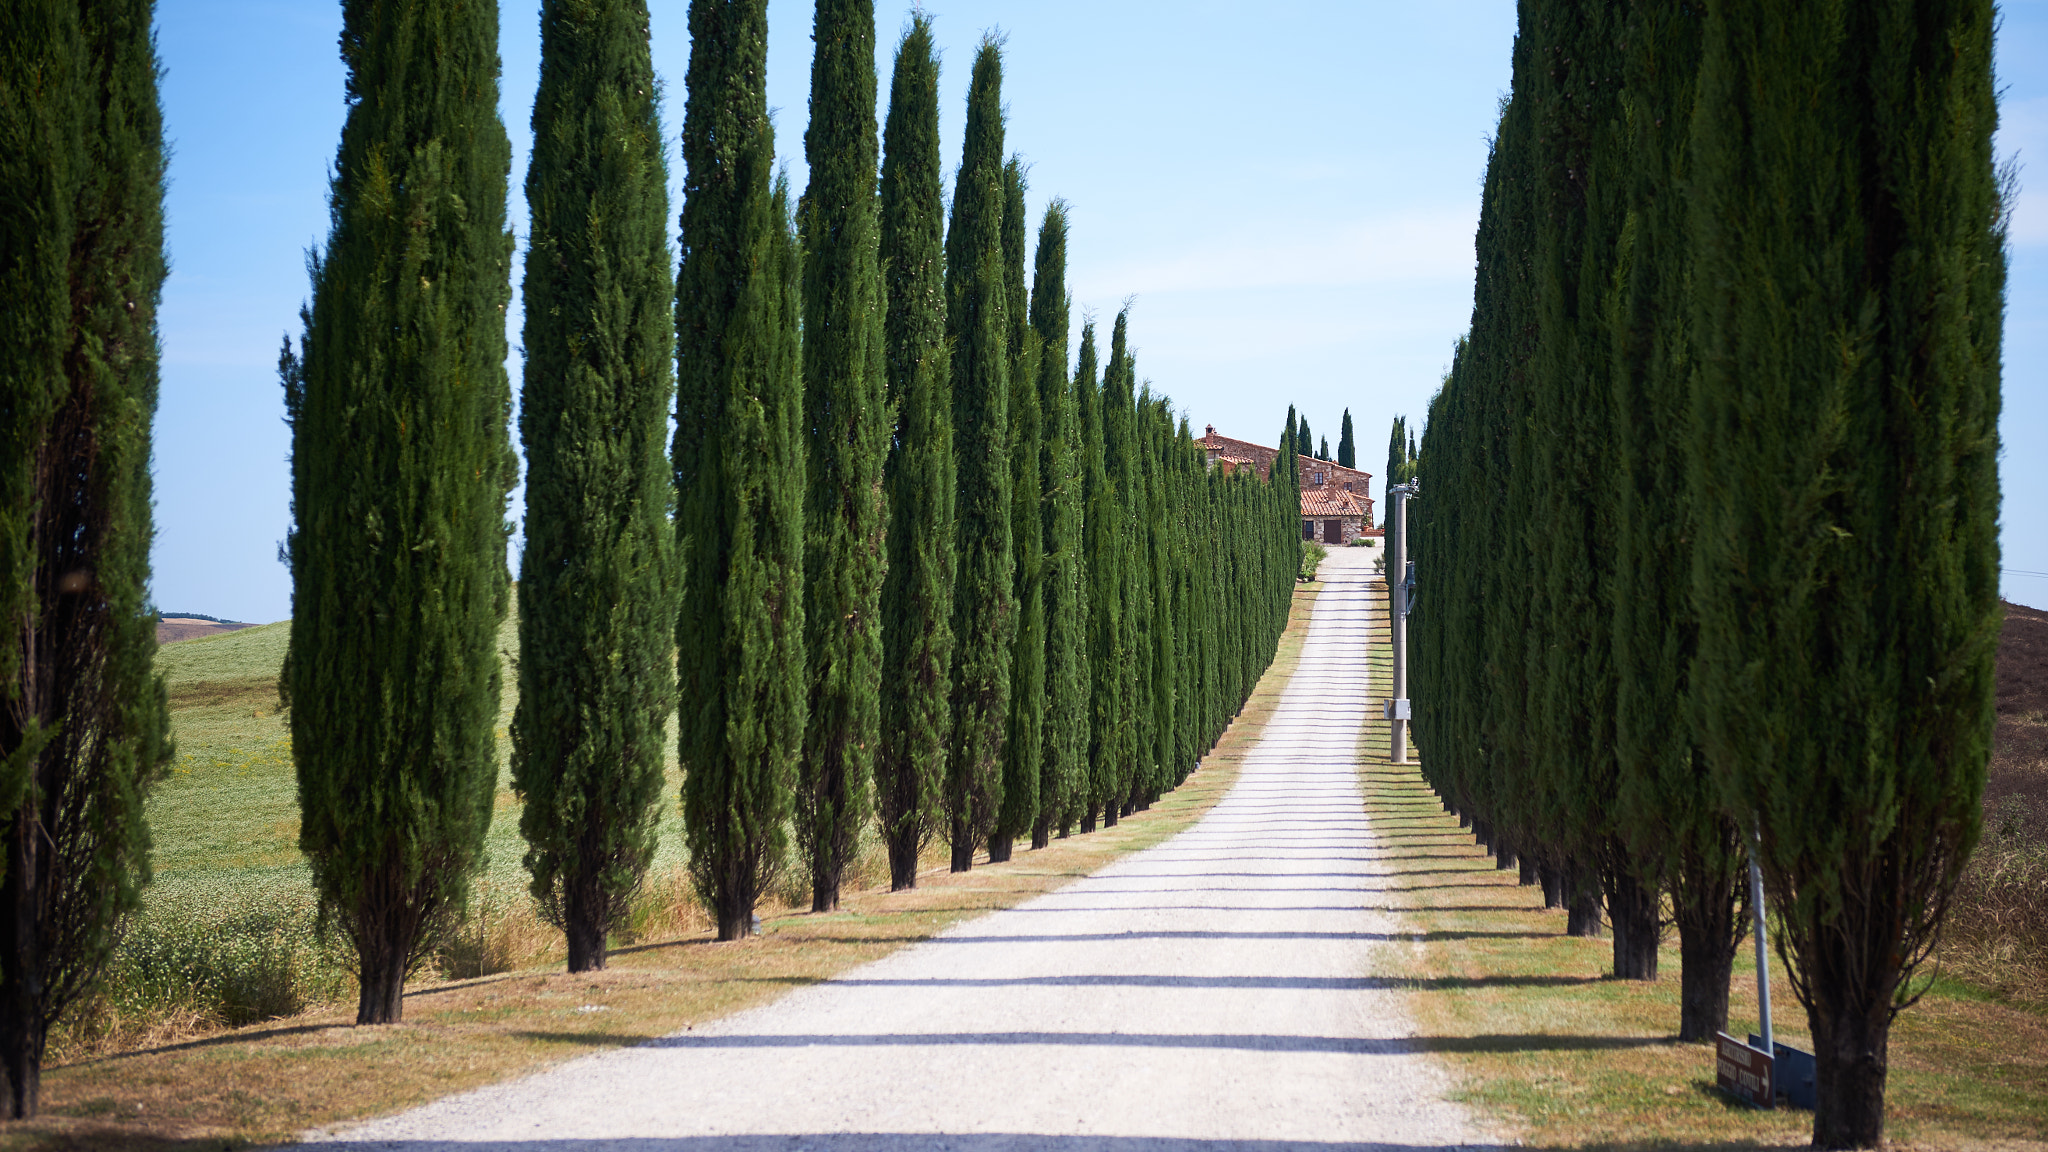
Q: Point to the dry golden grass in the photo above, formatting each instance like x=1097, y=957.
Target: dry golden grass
x=266, y=1082
x=1562, y=1056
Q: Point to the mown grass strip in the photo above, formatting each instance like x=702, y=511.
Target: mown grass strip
x=1550, y=1048
x=265, y=1083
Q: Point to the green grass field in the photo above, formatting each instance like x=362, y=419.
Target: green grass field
x=229, y=814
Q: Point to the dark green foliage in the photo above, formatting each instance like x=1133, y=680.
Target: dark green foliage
x=917, y=593
x=1287, y=466
x=1580, y=208
x=1304, y=440
x=1849, y=271
x=846, y=434
x=1107, y=663
x=984, y=599
x=1400, y=455
x=398, y=405
x=1347, y=445
x=1064, y=762
x=1666, y=810
x=1124, y=523
x=739, y=463
x=83, y=730
x=1023, y=745
x=597, y=574
x=1323, y=449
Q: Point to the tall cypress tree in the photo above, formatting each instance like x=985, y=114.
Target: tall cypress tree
x=1579, y=188
x=1667, y=809
x=1024, y=743
x=739, y=467
x=1304, y=440
x=400, y=469
x=598, y=575
x=1398, y=455
x=1158, y=596
x=1103, y=569
x=1849, y=271
x=1123, y=523
x=917, y=593
x=1347, y=445
x=984, y=603
x=83, y=731
x=846, y=432
x=1064, y=582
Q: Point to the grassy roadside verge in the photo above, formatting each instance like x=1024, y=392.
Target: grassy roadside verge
x=264, y=1083
x=1558, y=1055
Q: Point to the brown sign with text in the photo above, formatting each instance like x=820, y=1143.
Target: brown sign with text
x=1743, y=1072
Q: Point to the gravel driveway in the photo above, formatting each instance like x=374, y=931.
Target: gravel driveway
x=1216, y=991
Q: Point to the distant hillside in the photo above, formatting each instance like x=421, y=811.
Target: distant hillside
x=176, y=626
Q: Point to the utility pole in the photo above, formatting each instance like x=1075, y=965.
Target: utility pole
x=1398, y=576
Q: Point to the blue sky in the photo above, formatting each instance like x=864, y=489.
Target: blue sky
x=1287, y=190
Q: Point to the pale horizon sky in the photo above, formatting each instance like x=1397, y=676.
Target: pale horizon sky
x=1288, y=197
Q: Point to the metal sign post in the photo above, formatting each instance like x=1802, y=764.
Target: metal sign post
x=1763, y=963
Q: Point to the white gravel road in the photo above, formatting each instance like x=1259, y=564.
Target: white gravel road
x=1217, y=991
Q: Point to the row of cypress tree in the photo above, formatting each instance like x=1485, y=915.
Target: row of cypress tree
x=908, y=568
x=1707, y=556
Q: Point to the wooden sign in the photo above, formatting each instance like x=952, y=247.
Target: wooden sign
x=1743, y=1072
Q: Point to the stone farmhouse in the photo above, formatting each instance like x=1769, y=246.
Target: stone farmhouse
x=1336, y=502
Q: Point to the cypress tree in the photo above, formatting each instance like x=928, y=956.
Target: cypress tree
x=1849, y=264
x=1024, y=743
x=401, y=463
x=1064, y=582
x=984, y=600
x=739, y=472
x=1304, y=440
x=1347, y=446
x=1577, y=107
x=1124, y=521
x=846, y=436
x=1106, y=695
x=1666, y=807
x=1159, y=598
x=598, y=575
x=83, y=730
x=1397, y=455
x=1323, y=449
x=917, y=592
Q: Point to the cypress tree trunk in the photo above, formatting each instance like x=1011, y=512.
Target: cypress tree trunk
x=400, y=469
x=83, y=724
x=1023, y=745
x=917, y=592
x=598, y=575
x=1712, y=917
x=984, y=603
x=1347, y=446
x=846, y=433
x=1105, y=601
x=739, y=473
x=1849, y=264
x=1064, y=762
